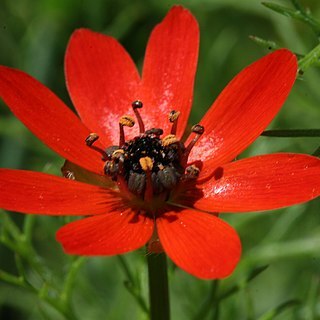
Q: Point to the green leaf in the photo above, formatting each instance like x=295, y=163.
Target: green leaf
x=310, y=59
x=252, y=275
x=270, y=45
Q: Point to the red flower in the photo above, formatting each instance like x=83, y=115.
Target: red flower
x=147, y=186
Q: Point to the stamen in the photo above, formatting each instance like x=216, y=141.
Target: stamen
x=155, y=132
x=118, y=155
x=169, y=139
x=192, y=172
x=138, y=105
x=168, y=177
x=136, y=182
x=90, y=140
x=146, y=164
x=124, y=121
x=198, y=130
x=110, y=150
x=173, y=117
x=111, y=169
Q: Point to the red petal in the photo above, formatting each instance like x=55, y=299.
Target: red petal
x=102, y=81
x=261, y=183
x=245, y=108
x=169, y=69
x=107, y=234
x=83, y=175
x=48, y=118
x=201, y=244
x=39, y=193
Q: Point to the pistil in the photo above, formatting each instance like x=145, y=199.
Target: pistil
x=146, y=164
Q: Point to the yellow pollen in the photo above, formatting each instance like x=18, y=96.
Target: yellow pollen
x=146, y=163
x=126, y=121
x=169, y=139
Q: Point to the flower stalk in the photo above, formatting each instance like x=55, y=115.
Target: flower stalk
x=158, y=287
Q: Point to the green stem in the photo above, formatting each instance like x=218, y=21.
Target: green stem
x=29, y=221
x=158, y=287
x=10, y=226
x=297, y=5
x=9, y=278
x=295, y=14
x=65, y=296
x=298, y=133
x=309, y=59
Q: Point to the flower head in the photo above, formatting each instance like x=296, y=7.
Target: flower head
x=128, y=168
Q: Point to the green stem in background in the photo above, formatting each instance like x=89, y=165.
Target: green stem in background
x=295, y=14
x=158, y=287
x=66, y=293
x=28, y=224
x=131, y=284
x=299, y=133
x=10, y=226
x=297, y=5
x=210, y=303
x=269, y=315
x=310, y=59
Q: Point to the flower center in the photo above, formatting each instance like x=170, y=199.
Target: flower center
x=149, y=164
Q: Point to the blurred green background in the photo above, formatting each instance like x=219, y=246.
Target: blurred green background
x=33, y=37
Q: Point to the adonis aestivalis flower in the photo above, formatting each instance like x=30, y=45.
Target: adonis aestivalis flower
x=128, y=168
